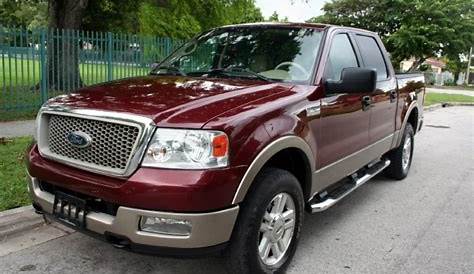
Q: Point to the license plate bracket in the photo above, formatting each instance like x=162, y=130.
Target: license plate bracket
x=70, y=209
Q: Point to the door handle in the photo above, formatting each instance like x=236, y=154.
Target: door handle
x=366, y=103
x=393, y=96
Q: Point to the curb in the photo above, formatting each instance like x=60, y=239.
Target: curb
x=432, y=107
x=17, y=220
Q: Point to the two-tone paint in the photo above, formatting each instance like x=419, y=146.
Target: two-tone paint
x=332, y=135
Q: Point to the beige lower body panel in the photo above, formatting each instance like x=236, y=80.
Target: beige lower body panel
x=346, y=166
x=208, y=229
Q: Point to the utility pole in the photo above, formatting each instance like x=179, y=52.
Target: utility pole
x=468, y=66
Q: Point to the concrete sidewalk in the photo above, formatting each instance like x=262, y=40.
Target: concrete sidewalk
x=17, y=128
x=22, y=228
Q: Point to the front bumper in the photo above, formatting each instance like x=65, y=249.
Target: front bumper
x=208, y=229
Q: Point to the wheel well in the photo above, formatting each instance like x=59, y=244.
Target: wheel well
x=294, y=161
x=413, y=119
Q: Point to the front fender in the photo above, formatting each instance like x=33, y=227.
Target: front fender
x=271, y=149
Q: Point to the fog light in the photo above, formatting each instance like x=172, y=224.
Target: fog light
x=165, y=226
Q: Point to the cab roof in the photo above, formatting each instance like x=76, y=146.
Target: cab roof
x=319, y=26
x=280, y=24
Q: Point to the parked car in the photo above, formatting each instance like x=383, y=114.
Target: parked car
x=227, y=142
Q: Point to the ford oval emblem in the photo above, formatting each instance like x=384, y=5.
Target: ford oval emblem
x=79, y=139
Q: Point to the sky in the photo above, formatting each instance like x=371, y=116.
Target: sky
x=299, y=11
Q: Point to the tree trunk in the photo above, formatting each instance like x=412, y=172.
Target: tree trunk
x=416, y=64
x=63, y=45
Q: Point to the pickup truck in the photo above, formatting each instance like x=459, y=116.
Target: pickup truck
x=227, y=142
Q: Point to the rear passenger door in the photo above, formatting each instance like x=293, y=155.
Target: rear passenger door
x=384, y=99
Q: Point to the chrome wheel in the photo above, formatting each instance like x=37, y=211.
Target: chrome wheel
x=276, y=229
x=406, y=155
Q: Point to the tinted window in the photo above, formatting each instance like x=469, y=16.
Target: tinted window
x=281, y=54
x=372, y=55
x=341, y=55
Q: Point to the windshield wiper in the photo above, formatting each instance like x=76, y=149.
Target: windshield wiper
x=249, y=72
x=238, y=72
x=173, y=70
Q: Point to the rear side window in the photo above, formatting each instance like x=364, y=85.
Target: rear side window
x=372, y=55
x=341, y=55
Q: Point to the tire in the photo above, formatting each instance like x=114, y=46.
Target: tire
x=269, y=187
x=399, y=167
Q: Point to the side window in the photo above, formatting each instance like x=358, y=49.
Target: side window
x=341, y=55
x=372, y=55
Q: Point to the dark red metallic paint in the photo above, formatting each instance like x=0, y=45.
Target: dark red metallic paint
x=253, y=113
x=148, y=188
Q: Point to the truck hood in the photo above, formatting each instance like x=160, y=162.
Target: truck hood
x=172, y=101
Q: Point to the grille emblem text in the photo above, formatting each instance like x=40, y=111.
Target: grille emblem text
x=79, y=139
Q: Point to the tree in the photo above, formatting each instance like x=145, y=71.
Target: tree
x=274, y=17
x=168, y=18
x=183, y=19
x=64, y=14
x=409, y=28
x=23, y=13
x=457, y=65
x=115, y=15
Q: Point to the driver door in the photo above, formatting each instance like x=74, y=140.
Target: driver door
x=344, y=127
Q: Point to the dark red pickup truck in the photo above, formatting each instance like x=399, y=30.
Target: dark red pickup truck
x=227, y=142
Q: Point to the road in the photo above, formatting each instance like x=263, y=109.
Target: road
x=423, y=224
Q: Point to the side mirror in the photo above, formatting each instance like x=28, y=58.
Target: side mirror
x=354, y=80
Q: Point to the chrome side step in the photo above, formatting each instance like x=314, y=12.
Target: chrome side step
x=328, y=201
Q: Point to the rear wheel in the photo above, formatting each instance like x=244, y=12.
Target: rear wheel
x=402, y=156
x=269, y=224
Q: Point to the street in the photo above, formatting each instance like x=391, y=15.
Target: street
x=423, y=224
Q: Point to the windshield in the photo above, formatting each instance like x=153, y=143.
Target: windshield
x=278, y=54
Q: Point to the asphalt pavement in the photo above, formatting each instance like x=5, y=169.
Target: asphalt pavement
x=423, y=224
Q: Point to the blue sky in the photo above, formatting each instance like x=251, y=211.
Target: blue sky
x=299, y=11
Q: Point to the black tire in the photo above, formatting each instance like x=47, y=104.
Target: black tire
x=396, y=169
x=243, y=249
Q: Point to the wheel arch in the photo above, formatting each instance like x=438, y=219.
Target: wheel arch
x=412, y=117
x=296, y=147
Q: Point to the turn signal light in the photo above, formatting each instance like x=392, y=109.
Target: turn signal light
x=220, y=146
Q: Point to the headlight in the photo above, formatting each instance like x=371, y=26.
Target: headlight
x=187, y=149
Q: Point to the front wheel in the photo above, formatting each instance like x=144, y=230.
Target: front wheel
x=402, y=156
x=269, y=224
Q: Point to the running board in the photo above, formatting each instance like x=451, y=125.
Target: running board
x=355, y=183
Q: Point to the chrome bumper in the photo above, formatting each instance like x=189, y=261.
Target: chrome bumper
x=208, y=229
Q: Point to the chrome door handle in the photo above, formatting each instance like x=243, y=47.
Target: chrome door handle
x=393, y=96
x=366, y=103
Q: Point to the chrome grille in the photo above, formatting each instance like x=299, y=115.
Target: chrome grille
x=111, y=148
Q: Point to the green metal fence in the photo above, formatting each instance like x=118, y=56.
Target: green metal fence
x=38, y=64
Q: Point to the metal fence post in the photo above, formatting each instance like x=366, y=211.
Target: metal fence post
x=468, y=71
x=44, y=68
x=109, y=56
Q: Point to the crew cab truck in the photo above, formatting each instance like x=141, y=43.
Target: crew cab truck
x=227, y=142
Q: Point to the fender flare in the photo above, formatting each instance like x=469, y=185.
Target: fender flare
x=413, y=105
x=263, y=156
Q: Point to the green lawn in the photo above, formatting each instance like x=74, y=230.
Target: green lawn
x=435, y=98
x=19, y=100
x=13, y=188
x=26, y=72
